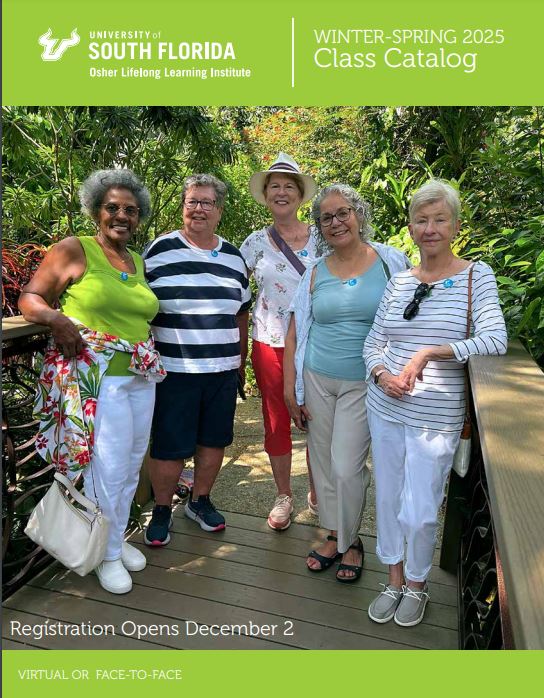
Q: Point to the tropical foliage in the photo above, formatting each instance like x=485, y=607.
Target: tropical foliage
x=494, y=155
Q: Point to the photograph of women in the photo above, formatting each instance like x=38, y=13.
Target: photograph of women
x=272, y=375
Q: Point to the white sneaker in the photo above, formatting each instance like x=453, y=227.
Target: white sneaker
x=383, y=608
x=280, y=517
x=133, y=559
x=113, y=577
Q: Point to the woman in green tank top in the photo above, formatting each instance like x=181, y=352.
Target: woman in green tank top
x=100, y=283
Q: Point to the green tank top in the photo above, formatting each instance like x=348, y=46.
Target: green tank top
x=103, y=301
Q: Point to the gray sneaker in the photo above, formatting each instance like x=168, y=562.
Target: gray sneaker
x=383, y=608
x=412, y=606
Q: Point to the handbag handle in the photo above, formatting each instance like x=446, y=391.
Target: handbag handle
x=80, y=498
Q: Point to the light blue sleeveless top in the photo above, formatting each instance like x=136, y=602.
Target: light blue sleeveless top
x=343, y=315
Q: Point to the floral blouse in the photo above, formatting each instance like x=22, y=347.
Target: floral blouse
x=277, y=281
x=68, y=391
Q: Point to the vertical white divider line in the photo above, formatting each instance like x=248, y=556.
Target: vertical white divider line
x=292, y=51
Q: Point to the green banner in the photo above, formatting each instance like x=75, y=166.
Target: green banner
x=263, y=673
x=237, y=52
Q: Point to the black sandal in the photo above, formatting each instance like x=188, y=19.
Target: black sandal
x=356, y=569
x=325, y=562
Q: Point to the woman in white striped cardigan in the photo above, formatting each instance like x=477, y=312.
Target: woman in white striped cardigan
x=415, y=355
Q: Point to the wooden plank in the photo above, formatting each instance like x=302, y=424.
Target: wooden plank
x=508, y=393
x=274, y=604
x=303, y=583
x=175, y=605
x=213, y=547
x=71, y=609
x=305, y=532
x=288, y=546
x=16, y=327
x=12, y=645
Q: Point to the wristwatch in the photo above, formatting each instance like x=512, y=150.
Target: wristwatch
x=378, y=374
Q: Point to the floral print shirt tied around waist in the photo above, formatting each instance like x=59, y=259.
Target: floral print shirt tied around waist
x=68, y=390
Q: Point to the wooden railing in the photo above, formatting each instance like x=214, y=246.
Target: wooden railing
x=26, y=477
x=494, y=528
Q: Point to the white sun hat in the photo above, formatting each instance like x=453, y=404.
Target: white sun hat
x=283, y=164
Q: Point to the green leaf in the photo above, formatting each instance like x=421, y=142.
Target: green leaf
x=527, y=315
x=540, y=264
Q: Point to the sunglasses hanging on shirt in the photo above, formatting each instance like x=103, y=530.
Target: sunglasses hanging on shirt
x=412, y=309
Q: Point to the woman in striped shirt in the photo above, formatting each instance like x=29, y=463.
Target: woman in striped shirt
x=415, y=355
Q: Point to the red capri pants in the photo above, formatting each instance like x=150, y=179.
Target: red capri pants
x=268, y=366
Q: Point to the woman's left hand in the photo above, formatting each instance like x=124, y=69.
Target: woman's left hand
x=414, y=368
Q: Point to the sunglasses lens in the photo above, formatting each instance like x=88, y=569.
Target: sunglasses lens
x=411, y=310
x=421, y=291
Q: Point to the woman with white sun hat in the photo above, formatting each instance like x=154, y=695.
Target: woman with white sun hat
x=278, y=255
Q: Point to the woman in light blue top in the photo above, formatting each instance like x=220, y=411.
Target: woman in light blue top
x=324, y=370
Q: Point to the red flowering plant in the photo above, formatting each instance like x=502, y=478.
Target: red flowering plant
x=19, y=262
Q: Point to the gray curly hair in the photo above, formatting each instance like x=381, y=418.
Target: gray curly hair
x=360, y=207
x=206, y=180
x=94, y=189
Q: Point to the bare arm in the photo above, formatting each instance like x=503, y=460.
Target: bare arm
x=299, y=413
x=62, y=265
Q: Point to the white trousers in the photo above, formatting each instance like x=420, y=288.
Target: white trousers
x=411, y=467
x=121, y=435
x=338, y=443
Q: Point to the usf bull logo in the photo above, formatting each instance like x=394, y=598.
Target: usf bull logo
x=53, y=49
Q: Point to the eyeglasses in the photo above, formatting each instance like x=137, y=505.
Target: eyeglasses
x=412, y=309
x=205, y=204
x=113, y=210
x=341, y=215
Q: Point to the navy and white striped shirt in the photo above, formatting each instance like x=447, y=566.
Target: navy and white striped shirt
x=437, y=402
x=200, y=293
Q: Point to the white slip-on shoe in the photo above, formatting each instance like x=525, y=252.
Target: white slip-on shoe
x=113, y=577
x=383, y=608
x=133, y=559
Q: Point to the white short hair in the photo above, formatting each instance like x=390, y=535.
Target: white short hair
x=432, y=191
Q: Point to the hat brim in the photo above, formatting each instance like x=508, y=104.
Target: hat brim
x=256, y=185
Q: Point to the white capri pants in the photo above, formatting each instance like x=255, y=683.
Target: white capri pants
x=338, y=444
x=121, y=434
x=411, y=467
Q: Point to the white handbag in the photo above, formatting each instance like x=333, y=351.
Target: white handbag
x=461, y=459
x=75, y=536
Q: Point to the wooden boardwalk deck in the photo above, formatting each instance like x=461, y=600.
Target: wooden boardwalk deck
x=244, y=574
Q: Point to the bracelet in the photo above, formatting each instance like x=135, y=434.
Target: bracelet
x=378, y=374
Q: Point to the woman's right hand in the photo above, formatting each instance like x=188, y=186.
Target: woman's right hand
x=299, y=413
x=66, y=336
x=394, y=386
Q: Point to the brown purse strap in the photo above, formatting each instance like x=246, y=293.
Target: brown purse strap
x=469, y=306
x=467, y=335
